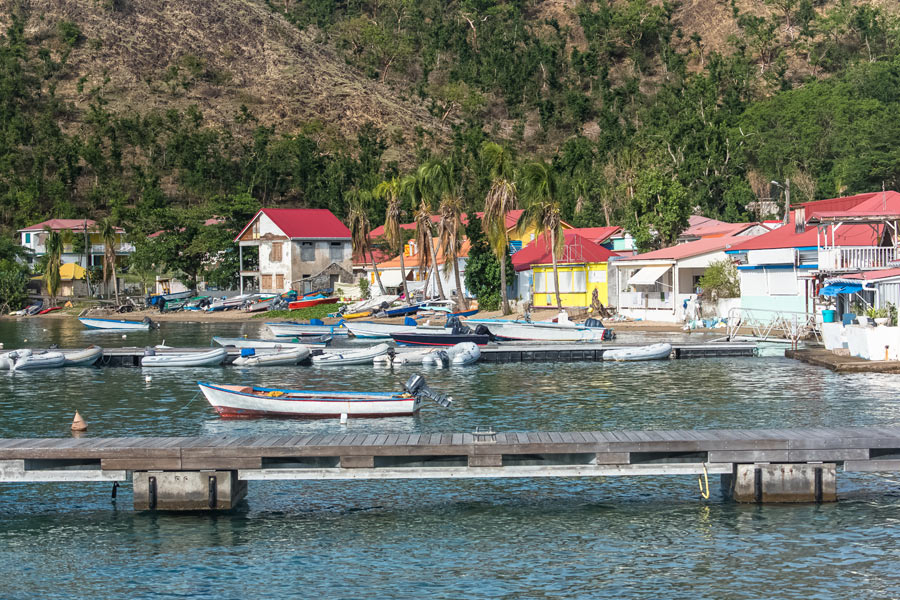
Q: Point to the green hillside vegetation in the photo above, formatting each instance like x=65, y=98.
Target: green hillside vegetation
x=641, y=121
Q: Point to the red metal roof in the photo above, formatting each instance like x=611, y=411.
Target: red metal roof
x=598, y=235
x=689, y=249
x=873, y=275
x=877, y=204
x=786, y=237
x=512, y=217
x=303, y=223
x=578, y=249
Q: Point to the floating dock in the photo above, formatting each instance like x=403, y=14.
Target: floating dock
x=209, y=473
x=493, y=353
x=842, y=364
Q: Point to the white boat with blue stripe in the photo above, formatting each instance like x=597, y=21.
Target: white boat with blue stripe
x=117, y=324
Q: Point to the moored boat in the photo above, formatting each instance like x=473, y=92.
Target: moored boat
x=117, y=324
x=560, y=330
x=271, y=358
x=82, y=358
x=306, y=302
x=350, y=357
x=184, y=359
x=28, y=360
x=370, y=329
x=312, y=342
x=235, y=401
x=314, y=327
x=652, y=352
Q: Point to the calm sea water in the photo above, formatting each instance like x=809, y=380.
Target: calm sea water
x=568, y=538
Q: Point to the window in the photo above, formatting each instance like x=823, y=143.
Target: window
x=279, y=281
x=579, y=282
x=337, y=251
x=539, y=282
x=275, y=254
x=565, y=282
x=266, y=282
x=27, y=238
x=307, y=251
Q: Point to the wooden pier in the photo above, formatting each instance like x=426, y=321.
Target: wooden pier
x=203, y=473
x=493, y=353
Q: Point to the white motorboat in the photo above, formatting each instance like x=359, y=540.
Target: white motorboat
x=82, y=358
x=651, y=352
x=28, y=360
x=464, y=353
x=260, y=304
x=314, y=327
x=368, y=329
x=319, y=342
x=351, y=357
x=273, y=358
x=561, y=330
x=184, y=359
x=370, y=304
x=117, y=324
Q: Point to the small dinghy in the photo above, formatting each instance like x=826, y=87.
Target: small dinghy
x=314, y=327
x=82, y=358
x=651, y=352
x=236, y=401
x=403, y=356
x=464, y=353
x=118, y=324
x=28, y=360
x=183, y=359
x=313, y=342
x=369, y=329
x=275, y=358
x=7, y=362
x=351, y=357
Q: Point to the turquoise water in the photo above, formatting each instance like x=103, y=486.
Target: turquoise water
x=567, y=538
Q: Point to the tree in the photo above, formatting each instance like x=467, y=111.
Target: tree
x=53, y=247
x=483, y=269
x=359, y=228
x=659, y=211
x=109, y=234
x=720, y=280
x=13, y=274
x=542, y=212
x=419, y=188
x=391, y=191
x=501, y=198
x=444, y=186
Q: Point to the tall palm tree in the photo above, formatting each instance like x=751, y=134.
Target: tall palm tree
x=501, y=198
x=53, y=247
x=359, y=228
x=416, y=187
x=450, y=226
x=392, y=192
x=109, y=235
x=542, y=212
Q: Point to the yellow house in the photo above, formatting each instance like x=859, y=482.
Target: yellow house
x=582, y=269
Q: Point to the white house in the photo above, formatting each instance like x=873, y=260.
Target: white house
x=34, y=237
x=304, y=249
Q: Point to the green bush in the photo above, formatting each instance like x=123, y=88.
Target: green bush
x=721, y=280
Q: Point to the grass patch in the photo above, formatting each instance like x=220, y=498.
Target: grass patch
x=319, y=311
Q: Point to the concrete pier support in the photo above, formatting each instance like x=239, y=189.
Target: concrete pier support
x=772, y=483
x=187, y=490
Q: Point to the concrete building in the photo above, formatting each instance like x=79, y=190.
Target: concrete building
x=34, y=237
x=294, y=248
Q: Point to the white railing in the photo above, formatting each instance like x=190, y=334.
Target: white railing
x=856, y=258
x=771, y=324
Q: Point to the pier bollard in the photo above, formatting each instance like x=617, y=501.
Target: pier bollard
x=78, y=423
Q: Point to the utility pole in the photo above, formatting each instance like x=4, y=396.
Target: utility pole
x=787, y=200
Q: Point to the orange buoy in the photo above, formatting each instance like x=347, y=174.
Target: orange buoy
x=78, y=423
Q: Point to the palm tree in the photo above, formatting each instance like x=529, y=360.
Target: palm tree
x=109, y=234
x=501, y=198
x=359, y=228
x=53, y=246
x=417, y=188
x=391, y=191
x=450, y=225
x=542, y=212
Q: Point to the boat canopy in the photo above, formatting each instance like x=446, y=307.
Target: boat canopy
x=648, y=275
x=840, y=288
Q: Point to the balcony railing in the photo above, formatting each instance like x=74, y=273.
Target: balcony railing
x=856, y=258
x=661, y=300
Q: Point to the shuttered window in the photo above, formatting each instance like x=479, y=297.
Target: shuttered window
x=275, y=254
x=266, y=282
x=307, y=252
x=279, y=282
x=337, y=251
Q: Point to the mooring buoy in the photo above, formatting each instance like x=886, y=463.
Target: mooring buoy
x=78, y=423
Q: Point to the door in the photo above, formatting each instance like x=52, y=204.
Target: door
x=279, y=282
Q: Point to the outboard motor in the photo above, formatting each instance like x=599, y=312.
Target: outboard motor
x=592, y=322
x=417, y=387
x=150, y=322
x=483, y=330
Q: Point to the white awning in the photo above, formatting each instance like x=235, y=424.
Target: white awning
x=648, y=275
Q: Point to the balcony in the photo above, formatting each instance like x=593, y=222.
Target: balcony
x=856, y=258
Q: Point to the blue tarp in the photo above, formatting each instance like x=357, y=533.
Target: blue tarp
x=840, y=288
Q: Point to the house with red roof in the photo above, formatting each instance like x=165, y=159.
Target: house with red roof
x=304, y=249
x=581, y=266
x=782, y=271
x=34, y=237
x=392, y=274
x=660, y=285
x=700, y=227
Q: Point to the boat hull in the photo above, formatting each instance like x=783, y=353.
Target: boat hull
x=439, y=339
x=544, y=333
x=297, y=304
x=115, y=324
x=45, y=360
x=83, y=358
x=192, y=359
x=240, y=402
x=365, y=329
x=352, y=357
x=273, y=359
x=317, y=342
x=301, y=329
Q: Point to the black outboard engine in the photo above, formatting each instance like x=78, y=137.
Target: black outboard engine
x=592, y=322
x=417, y=387
x=150, y=322
x=482, y=329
